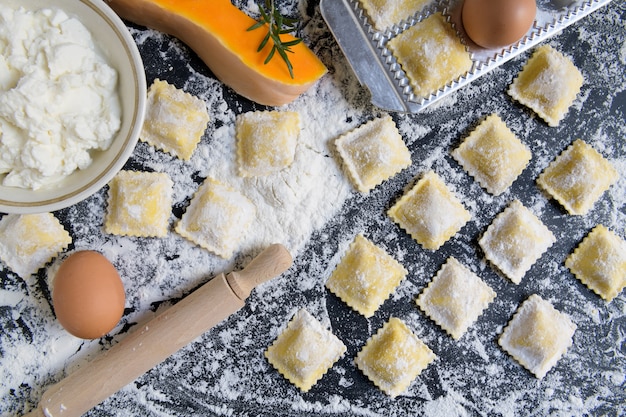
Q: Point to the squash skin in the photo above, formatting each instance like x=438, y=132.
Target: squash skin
x=216, y=31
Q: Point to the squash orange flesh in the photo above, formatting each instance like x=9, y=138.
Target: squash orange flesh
x=218, y=32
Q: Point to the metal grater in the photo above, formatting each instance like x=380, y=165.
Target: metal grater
x=377, y=69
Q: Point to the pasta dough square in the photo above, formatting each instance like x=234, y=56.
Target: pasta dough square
x=493, y=155
x=217, y=218
x=386, y=13
x=266, y=141
x=538, y=335
x=365, y=276
x=140, y=204
x=431, y=54
x=455, y=298
x=394, y=357
x=29, y=241
x=373, y=153
x=175, y=120
x=429, y=212
x=515, y=240
x=548, y=84
x=599, y=262
x=578, y=177
x=304, y=351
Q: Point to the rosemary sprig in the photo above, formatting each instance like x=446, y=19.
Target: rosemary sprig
x=277, y=25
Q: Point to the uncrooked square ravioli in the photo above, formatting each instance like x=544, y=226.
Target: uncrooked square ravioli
x=217, y=218
x=366, y=276
x=304, y=351
x=373, y=152
x=175, y=120
x=139, y=204
x=393, y=357
x=548, y=84
x=538, y=335
x=493, y=155
x=578, y=177
x=455, y=298
x=266, y=141
x=430, y=212
x=431, y=54
x=386, y=13
x=599, y=262
x=29, y=241
x=515, y=240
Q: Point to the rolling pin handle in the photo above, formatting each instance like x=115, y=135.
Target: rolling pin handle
x=271, y=262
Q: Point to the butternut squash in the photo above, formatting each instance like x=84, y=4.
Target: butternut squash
x=218, y=32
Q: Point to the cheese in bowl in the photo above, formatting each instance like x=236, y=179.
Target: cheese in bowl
x=72, y=98
x=58, y=97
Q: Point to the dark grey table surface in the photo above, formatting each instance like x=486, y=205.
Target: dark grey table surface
x=224, y=373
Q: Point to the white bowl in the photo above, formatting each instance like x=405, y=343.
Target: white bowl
x=114, y=40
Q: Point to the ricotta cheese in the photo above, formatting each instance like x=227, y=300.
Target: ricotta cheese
x=58, y=97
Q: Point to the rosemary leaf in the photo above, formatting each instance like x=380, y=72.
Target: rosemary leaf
x=276, y=25
x=264, y=42
x=270, y=55
x=256, y=26
x=291, y=43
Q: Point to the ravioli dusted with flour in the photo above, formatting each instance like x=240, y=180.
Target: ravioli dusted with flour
x=493, y=155
x=217, y=218
x=386, y=13
x=373, y=153
x=175, y=120
x=515, y=240
x=455, y=298
x=548, y=84
x=266, y=141
x=599, y=262
x=430, y=212
x=366, y=276
x=431, y=54
x=538, y=335
x=304, y=351
x=29, y=241
x=394, y=357
x=578, y=177
x=140, y=204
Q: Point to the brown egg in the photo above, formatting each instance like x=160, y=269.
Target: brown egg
x=497, y=23
x=88, y=295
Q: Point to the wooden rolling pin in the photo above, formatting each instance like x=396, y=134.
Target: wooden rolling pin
x=162, y=336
